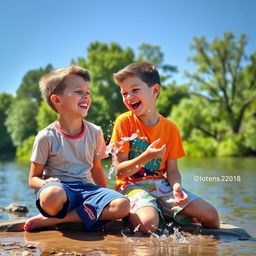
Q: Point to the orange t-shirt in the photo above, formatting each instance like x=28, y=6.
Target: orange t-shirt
x=132, y=136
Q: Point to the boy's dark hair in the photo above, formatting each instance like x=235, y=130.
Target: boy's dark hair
x=54, y=81
x=146, y=71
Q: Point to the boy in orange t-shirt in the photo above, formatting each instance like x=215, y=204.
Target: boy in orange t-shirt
x=146, y=147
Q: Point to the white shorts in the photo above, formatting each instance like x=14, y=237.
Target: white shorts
x=158, y=194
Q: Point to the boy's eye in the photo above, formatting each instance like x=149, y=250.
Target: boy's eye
x=124, y=94
x=82, y=92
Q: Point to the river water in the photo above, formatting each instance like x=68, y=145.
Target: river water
x=227, y=183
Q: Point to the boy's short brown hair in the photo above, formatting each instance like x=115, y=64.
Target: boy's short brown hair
x=54, y=81
x=146, y=71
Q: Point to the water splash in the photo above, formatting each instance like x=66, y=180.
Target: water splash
x=113, y=150
x=178, y=237
x=152, y=234
x=132, y=137
x=136, y=228
x=111, y=171
x=126, y=238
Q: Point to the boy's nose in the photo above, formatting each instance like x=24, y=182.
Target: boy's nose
x=129, y=95
x=85, y=95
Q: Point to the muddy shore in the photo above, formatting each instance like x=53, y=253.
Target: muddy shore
x=73, y=239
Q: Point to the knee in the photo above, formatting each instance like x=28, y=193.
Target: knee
x=121, y=207
x=148, y=226
x=144, y=222
x=124, y=207
x=211, y=219
x=52, y=199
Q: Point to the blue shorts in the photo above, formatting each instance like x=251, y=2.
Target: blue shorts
x=87, y=199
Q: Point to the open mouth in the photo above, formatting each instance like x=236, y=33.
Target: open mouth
x=83, y=105
x=135, y=105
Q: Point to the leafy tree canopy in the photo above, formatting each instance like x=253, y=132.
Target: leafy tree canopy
x=153, y=54
x=6, y=145
x=225, y=76
x=29, y=87
x=170, y=96
x=223, y=100
x=45, y=115
x=21, y=121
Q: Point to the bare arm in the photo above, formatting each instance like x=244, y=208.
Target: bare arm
x=98, y=174
x=35, y=179
x=174, y=178
x=125, y=168
x=173, y=174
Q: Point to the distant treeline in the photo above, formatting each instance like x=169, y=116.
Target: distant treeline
x=215, y=111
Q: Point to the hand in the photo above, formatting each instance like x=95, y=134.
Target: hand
x=156, y=152
x=180, y=196
x=51, y=179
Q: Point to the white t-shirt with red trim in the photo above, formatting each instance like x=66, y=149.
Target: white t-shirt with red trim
x=69, y=158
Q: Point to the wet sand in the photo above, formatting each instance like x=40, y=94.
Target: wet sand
x=54, y=242
x=115, y=240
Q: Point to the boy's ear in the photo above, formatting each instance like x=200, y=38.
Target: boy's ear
x=156, y=89
x=55, y=99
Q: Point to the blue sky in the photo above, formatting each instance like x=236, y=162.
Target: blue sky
x=35, y=33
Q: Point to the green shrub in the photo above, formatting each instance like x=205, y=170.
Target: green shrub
x=23, y=152
x=232, y=146
x=200, y=147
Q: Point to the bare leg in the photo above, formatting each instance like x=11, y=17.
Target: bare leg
x=116, y=209
x=39, y=221
x=146, y=218
x=204, y=212
x=52, y=199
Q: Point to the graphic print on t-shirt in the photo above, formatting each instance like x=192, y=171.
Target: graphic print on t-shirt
x=138, y=146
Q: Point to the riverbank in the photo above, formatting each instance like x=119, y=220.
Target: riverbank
x=114, y=239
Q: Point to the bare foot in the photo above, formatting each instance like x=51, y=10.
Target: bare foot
x=39, y=221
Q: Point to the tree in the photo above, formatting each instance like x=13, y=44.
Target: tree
x=21, y=121
x=194, y=117
x=45, y=115
x=6, y=145
x=170, y=96
x=29, y=87
x=24, y=150
x=100, y=105
x=153, y=54
x=225, y=76
x=222, y=106
x=249, y=129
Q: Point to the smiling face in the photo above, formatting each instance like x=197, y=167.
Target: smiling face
x=138, y=97
x=75, y=100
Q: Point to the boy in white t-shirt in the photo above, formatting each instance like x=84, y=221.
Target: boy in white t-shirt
x=66, y=159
